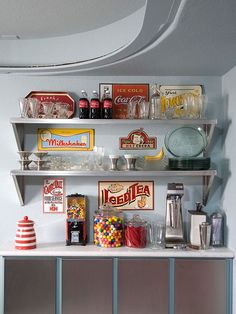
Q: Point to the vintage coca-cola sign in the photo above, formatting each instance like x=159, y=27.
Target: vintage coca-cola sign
x=122, y=94
x=127, y=195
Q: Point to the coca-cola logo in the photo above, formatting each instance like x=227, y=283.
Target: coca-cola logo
x=125, y=100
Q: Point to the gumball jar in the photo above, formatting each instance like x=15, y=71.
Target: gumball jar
x=108, y=227
x=136, y=232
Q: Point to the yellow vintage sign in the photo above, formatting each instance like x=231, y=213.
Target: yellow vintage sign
x=65, y=139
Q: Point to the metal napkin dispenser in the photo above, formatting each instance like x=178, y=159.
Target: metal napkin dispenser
x=174, y=234
x=197, y=217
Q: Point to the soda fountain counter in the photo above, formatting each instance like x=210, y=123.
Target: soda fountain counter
x=158, y=280
x=107, y=277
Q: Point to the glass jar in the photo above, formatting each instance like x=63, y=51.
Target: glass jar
x=136, y=232
x=108, y=227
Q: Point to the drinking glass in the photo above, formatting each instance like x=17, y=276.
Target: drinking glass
x=202, y=103
x=55, y=110
x=33, y=107
x=24, y=106
x=156, y=235
x=143, y=109
x=169, y=110
x=63, y=110
x=98, y=157
x=151, y=234
x=47, y=107
x=160, y=235
x=132, y=109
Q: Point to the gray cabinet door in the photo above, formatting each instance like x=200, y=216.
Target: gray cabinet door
x=200, y=286
x=87, y=286
x=29, y=287
x=143, y=286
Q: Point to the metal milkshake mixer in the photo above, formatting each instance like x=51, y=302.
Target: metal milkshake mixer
x=174, y=235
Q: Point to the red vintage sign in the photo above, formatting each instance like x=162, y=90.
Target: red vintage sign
x=53, y=196
x=127, y=195
x=138, y=139
x=54, y=97
x=122, y=94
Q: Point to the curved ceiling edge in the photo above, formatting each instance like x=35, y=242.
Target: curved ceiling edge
x=147, y=38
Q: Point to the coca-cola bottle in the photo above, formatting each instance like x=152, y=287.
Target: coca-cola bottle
x=84, y=106
x=95, y=108
x=107, y=106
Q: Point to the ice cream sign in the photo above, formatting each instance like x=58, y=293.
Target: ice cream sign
x=65, y=139
x=138, y=139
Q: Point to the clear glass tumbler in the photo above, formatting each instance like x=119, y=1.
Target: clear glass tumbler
x=143, y=109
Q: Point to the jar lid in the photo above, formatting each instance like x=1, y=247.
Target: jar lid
x=26, y=220
x=107, y=209
x=136, y=221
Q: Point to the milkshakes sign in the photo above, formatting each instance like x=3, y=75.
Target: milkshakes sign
x=65, y=139
x=127, y=195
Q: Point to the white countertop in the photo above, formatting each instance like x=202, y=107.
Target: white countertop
x=90, y=250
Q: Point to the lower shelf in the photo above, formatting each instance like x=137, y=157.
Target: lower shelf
x=208, y=176
x=90, y=250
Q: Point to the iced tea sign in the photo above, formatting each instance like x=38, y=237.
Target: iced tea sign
x=127, y=195
x=53, y=196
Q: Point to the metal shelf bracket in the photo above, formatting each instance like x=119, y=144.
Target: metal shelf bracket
x=20, y=187
x=207, y=184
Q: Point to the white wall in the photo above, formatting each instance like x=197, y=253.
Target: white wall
x=229, y=195
x=51, y=227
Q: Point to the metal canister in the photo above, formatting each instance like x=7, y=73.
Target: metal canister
x=217, y=236
x=205, y=235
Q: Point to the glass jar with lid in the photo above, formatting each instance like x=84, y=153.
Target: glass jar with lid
x=136, y=232
x=108, y=227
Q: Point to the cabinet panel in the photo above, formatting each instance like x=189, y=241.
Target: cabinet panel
x=87, y=286
x=143, y=286
x=29, y=287
x=200, y=287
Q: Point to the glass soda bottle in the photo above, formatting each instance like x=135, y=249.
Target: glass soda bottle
x=95, y=107
x=155, y=103
x=84, y=106
x=107, y=106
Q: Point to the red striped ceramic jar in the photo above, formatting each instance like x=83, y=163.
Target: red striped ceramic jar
x=25, y=235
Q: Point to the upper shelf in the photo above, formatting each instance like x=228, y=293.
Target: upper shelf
x=114, y=121
x=18, y=124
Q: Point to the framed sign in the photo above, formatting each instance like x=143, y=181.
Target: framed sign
x=177, y=90
x=138, y=139
x=53, y=196
x=127, y=195
x=55, y=97
x=122, y=94
x=65, y=139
